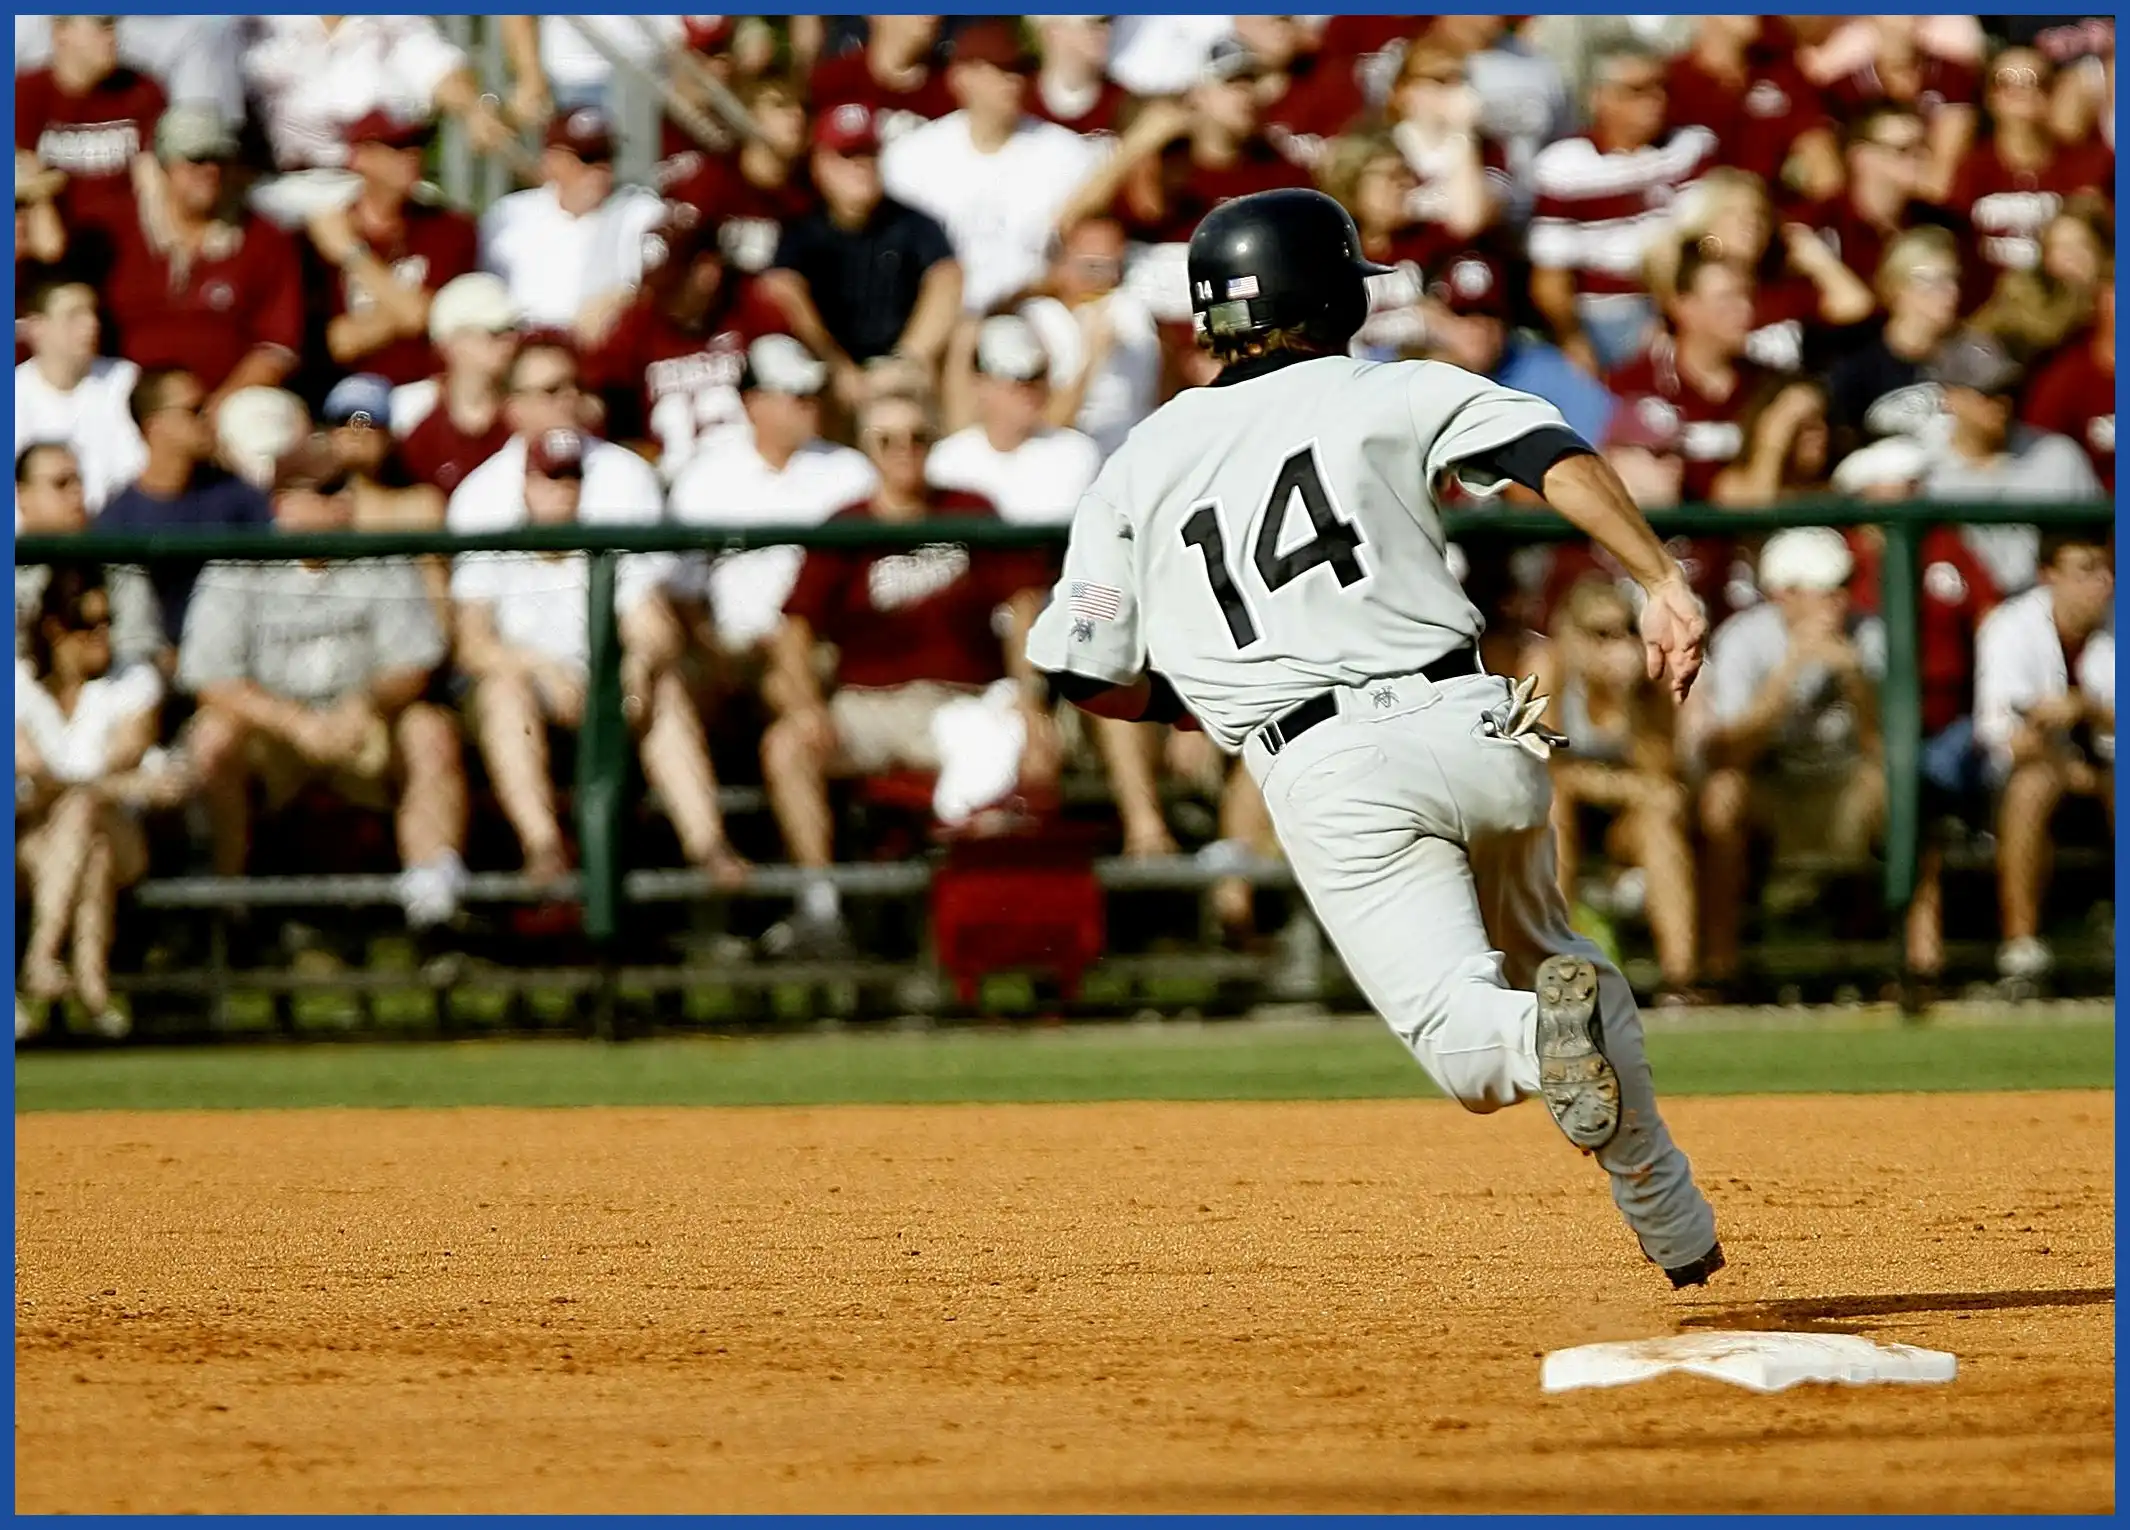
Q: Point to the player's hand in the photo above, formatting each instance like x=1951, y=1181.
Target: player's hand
x=1674, y=631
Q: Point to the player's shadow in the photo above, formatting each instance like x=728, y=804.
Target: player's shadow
x=1852, y=1314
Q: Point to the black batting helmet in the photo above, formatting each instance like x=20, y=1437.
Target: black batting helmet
x=1288, y=259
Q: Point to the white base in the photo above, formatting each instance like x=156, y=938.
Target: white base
x=1758, y=1361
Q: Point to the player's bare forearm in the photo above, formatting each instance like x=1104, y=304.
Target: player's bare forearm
x=1588, y=494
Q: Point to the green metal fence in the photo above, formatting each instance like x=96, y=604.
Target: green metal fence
x=603, y=755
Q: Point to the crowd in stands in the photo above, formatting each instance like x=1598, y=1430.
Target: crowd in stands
x=894, y=267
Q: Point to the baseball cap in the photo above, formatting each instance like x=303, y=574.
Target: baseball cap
x=1973, y=359
x=1230, y=59
x=780, y=364
x=556, y=454
x=1006, y=346
x=1471, y=284
x=255, y=427
x=1896, y=462
x=194, y=133
x=586, y=133
x=363, y=399
x=393, y=131
x=1648, y=422
x=709, y=34
x=847, y=129
x=477, y=300
x=997, y=43
x=1810, y=558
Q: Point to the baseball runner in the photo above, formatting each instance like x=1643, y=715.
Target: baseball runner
x=1265, y=555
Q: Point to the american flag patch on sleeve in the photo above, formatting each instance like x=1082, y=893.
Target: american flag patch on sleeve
x=1095, y=602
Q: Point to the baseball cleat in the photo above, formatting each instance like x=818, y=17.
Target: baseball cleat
x=1574, y=1078
x=1698, y=1272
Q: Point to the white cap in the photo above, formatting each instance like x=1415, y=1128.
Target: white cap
x=256, y=428
x=1006, y=346
x=1897, y=461
x=780, y=364
x=1810, y=558
x=476, y=300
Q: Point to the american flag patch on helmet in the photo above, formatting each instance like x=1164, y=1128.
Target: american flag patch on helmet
x=1096, y=602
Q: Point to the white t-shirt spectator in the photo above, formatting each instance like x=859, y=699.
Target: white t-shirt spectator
x=728, y=485
x=575, y=68
x=997, y=209
x=316, y=635
x=1127, y=387
x=555, y=264
x=78, y=748
x=194, y=58
x=1036, y=484
x=620, y=489
x=93, y=418
x=1163, y=55
x=541, y=602
x=1818, y=731
x=311, y=82
x=2037, y=465
x=2019, y=660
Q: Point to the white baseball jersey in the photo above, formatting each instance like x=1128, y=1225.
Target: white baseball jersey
x=1265, y=539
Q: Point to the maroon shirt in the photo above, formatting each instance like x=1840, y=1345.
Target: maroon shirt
x=1756, y=120
x=438, y=452
x=2006, y=209
x=1860, y=243
x=1321, y=101
x=1100, y=116
x=836, y=81
x=923, y=614
x=2074, y=395
x=94, y=137
x=750, y=218
x=1167, y=198
x=648, y=360
x=435, y=244
x=245, y=290
x=1957, y=593
x=1711, y=437
x=1944, y=83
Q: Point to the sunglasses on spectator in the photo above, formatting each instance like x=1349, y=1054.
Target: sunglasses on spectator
x=2017, y=78
x=902, y=438
x=1649, y=87
x=85, y=625
x=1905, y=147
x=563, y=474
x=1932, y=276
x=1607, y=632
x=553, y=389
x=325, y=488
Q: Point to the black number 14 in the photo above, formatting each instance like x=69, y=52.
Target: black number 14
x=1332, y=541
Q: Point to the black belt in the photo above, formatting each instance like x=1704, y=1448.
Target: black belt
x=1299, y=719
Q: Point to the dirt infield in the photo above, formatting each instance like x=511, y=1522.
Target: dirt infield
x=1149, y=1307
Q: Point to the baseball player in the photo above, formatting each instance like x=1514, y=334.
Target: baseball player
x=1265, y=555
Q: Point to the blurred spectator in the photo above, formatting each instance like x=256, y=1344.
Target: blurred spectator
x=1154, y=56
x=179, y=488
x=2045, y=718
x=49, y=503
x=919, y=661
x=314, y=672
x=1460, y=181
x=40, y=233
x=1642, y=445
x=1600, y=200
x=1788, y=728
x=1307, y=102
x=879, y=277
x=1895, y=63
x=357, y=417
x=993, y=176
x=84, y=759
x=1031, y=472
x=89, y=117
x=2078, y=244
x=1072, y=87
x=1986, y=455
x=193, y=58
x=1524, y=101
x=1879, y=389
x=1739, y=81
x=254, y=429
x=385, y=255
x=522, y=637
x=67, y=393
x=1619, y=775
x=2012, y=182
x=543, y=394
x=750, y=194
x=572, y=249
x=2074, y=394
x=892, y=77
x=779, y=472
x=2035, y=311
x=1884, y=156
x=450, y=424
x=1787, y=450
x=669, y=369
x=195, y=281
x=1104, y=347
x=1700, y=368
x=566, y=72
x=1800, y=287
x=309, y=77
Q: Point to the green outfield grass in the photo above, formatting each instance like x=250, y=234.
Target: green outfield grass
x=1343, y=1059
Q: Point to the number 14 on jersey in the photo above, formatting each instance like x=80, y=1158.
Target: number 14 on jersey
x=1332, y=540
